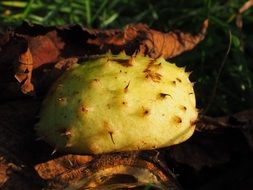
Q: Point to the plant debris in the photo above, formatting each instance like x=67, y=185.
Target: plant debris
x=39, y=46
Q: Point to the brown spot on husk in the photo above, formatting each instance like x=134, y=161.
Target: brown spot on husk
x=179, y=80
x=145, y=111
x=126, y=88
x=124, y=103
x=123, y=62
x=163, y=95
x=177, y=119
x=183, y=108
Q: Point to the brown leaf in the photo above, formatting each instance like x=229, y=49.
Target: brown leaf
x=109, y=171
x=24, y=72
x=3, y=171
x=55, y=167
x=51, y=45
x=147, y=41
x=244, y=7
x=45, y=49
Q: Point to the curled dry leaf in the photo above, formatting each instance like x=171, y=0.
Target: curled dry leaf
x=24, y=71
x=244, y=7
x=49, y=45
x=150, y=42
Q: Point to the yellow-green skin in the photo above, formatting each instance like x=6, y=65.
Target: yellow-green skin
x=119, y=103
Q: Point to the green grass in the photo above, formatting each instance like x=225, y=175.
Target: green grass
x=222, y=63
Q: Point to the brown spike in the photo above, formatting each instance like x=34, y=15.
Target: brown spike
x=193, y=122
x=123, y=62
x=131, y=60
x=183, y=108
x=111, y=133
x=134, y=54
x=84, y=109
x=163, y=95
x=54, y=151
x=177, y=119
x=126, y=88
x=123, y=52
x=145, y=111
x=179, y=80
x=189, y=73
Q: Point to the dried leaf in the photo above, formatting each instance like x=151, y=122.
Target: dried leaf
x=55, y=167
x=24, y=72
x=3, y=171
x=244, y=7
x=45, y=49
x=114, y=171
x=147, y=41
x=51, y=45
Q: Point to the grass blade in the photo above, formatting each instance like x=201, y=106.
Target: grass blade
x=14, y=4
x=88, y=12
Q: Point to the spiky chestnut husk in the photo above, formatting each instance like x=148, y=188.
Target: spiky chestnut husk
x=119, y=103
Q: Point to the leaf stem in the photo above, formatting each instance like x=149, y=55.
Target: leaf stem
x=213, y=94
x=88, y=12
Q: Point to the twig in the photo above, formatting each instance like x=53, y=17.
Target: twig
x=206, y=123
x=218, y=76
